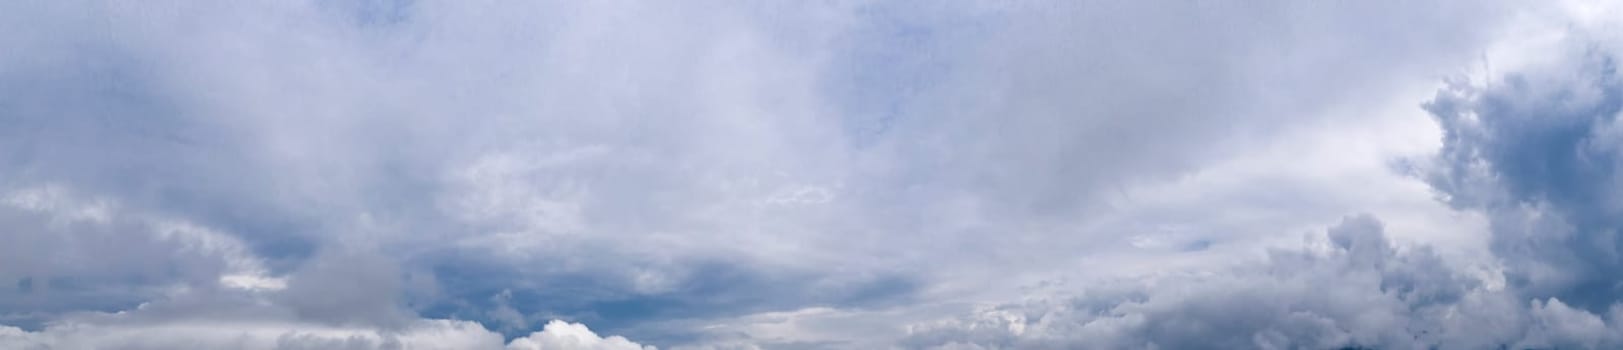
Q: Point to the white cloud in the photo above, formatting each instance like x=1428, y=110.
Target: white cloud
x=563, y=335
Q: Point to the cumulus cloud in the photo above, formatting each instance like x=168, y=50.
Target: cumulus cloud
x=1348, y=289
x=564, y=335
x=1538, y=152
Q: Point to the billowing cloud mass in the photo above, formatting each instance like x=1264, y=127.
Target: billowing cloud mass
x=1533, y=151
x=1540, y=153
x=410, y=174
x=562, y=335
x=1352, y=289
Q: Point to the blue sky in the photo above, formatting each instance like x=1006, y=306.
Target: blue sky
x=383, y=174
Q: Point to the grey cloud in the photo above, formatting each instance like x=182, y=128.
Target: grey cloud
x=69, y=253
x=1042, y=107
x=1534, y=152
x=1028, y=119
x=1538, y=152
x=630, y=163
x=1358, y=291
x=347, y=288
x=307, y=130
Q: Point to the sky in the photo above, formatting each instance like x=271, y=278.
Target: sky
x=833, y=174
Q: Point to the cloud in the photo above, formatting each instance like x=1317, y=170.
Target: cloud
x=1349, y=289
x=350, y=139
x=156, y=326
x=202, y=288
x=358, y=173
x=77, y=253
x=251, y=335
x=262, y=334
x=1533, y=153
x=564, y=335
x=1536, y=151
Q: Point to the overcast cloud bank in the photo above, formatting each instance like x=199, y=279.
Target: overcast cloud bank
x=847, y=174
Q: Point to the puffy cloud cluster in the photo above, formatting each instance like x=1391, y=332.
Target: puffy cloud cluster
x=1353, y=290
x=1540, y=153
x=564, y=335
